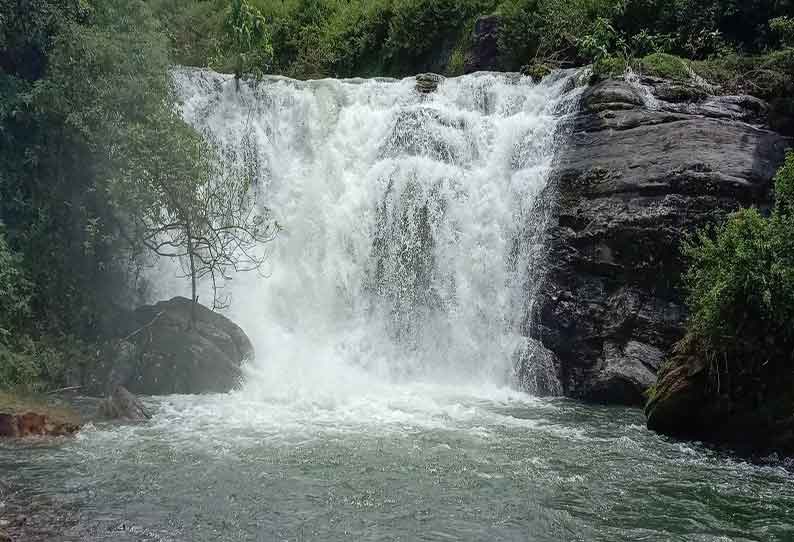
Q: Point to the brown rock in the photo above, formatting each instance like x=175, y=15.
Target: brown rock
x=122, y=405
x=8, y=425
x=24, y=417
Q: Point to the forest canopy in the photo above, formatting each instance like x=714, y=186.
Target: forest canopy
x=337, y=38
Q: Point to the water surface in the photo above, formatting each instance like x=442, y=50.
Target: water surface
x=418, y=463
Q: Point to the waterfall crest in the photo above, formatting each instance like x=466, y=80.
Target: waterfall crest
x=410, y=222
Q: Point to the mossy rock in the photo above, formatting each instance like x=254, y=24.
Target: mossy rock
x=685, y=403
x=536, y=71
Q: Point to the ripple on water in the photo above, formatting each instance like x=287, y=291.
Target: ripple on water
x=473, y=468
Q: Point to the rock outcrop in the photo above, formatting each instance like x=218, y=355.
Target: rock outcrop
x=161, y=352
x=120, y=404
x=428, y=82
x=757, y=418
x=645, y=165
x=29, y=424
x=20, y=417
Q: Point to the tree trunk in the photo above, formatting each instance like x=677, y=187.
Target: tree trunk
x=193, y=298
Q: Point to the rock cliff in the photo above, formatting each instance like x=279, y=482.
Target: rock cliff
x=646, y=163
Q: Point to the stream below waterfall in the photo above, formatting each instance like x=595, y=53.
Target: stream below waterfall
x=391, y=331
x=408, y=463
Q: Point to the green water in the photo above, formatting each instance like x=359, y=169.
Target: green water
x=418, y=464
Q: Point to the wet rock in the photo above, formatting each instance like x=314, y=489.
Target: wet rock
x=27, y=424
x=428, y=82
x=608, y=94
x=24, y=416
x=626, y=372
x=122, y=405
x=161, y=352
x=676, y=92
x=637, y=175
x=751, y=416
x=539, y=370
x=483, y=52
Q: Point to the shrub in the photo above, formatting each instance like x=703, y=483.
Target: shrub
x=664, y=65
x=783, y=28
x=519, y=33
x=741, y=286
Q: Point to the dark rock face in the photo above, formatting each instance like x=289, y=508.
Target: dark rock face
x=483, y=54
x=161, y=353
x=638, y=174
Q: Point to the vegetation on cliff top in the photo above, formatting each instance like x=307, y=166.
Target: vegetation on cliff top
x=333, y=38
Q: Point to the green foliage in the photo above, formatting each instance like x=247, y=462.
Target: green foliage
x=784, y=188
x=536, y=71
x=741, y=286
x=319, y=38
x=456, y=63
x=656, y=65
x=15, y=289
x=84, y=139
x=601, y=41
x=664, y=65
x=519, y=34
x=245, y=46
x=783, y=28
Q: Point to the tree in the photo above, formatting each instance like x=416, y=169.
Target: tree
x=246, y=45
x=192, y=203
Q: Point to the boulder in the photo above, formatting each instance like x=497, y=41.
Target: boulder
x=161, y=352
x=24, y=417
x=428, y=82
x=685, y=403
x=122, y=405
x=637, y=175
x=483, y=52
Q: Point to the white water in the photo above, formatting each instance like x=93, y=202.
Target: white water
x=409, y=230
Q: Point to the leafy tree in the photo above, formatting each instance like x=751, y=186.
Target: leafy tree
x=14, y=289
x=246, y=45
x=94, y=158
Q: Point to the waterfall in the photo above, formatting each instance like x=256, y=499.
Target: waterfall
x=410, y=222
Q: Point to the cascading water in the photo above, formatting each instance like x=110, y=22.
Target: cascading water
x=408, y=222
